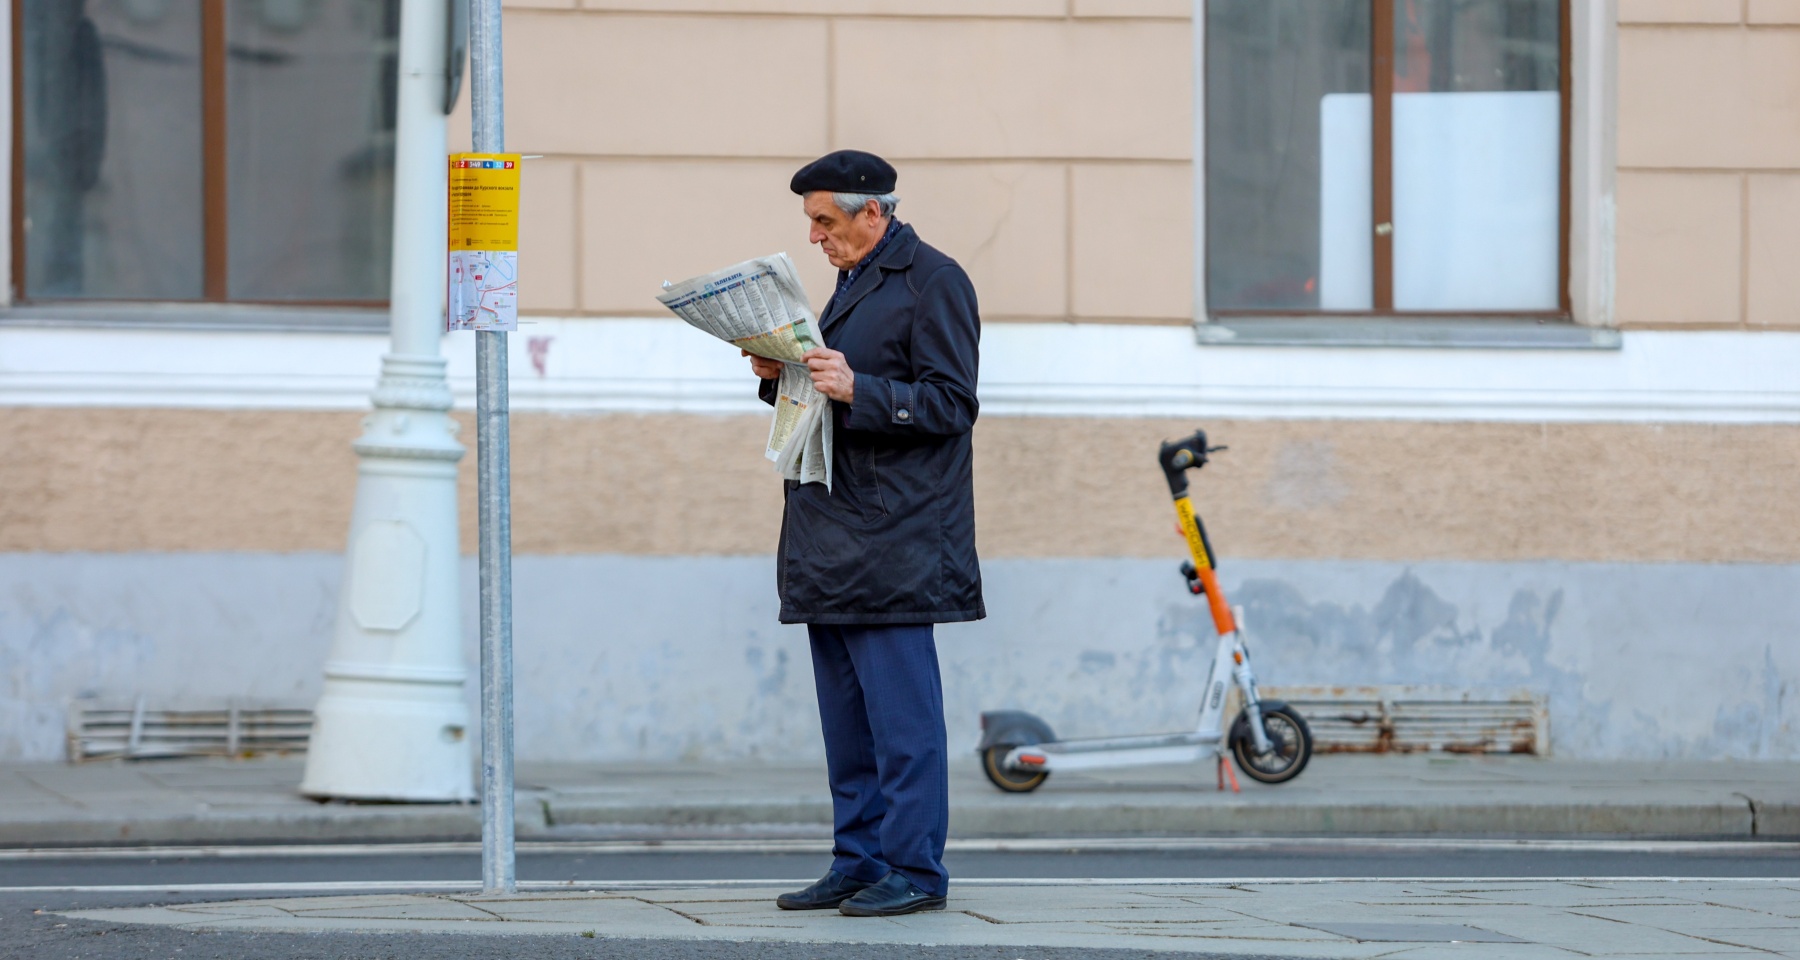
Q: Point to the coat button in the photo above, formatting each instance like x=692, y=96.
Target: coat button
x=904, y=415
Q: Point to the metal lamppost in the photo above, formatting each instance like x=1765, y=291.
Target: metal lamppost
x=392, y=722
x=494, y=467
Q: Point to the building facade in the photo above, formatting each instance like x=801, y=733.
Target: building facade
x=1493, y=301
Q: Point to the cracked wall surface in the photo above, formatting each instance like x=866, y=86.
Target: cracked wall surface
x=680, y=658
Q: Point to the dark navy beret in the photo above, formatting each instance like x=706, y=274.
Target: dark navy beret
x=846, y=171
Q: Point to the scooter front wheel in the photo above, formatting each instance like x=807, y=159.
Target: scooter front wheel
x=993, y=763
x=1290, y=743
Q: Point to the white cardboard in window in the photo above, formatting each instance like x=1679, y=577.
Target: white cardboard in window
x=1476, y=201
x=1346, y=245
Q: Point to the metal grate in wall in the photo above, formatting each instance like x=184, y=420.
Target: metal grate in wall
x=1414, y=719
x=99, y=731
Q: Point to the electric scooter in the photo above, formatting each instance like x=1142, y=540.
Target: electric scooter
x=1269, y=740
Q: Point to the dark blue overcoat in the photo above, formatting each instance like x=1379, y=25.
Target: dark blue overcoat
x=894, y=540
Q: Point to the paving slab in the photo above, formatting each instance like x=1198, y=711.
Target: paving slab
x=219, y=801
x=1325, y=919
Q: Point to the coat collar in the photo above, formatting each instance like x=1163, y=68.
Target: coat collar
x=897, y=256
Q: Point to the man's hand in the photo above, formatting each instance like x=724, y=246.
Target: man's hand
x=764, y=367
x=831, y=373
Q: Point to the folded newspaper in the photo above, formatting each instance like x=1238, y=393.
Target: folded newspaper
x=760, y=306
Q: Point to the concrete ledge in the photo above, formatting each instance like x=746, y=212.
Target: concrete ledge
x=1279, y=368
x=1462, y=819
x=723, y=812
x=329, y=824
x=221, y=802
x=1777, y=819
x=975, y=816
x=1005, y=817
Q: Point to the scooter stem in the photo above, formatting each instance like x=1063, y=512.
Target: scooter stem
x=1223, y=621
x=1177, y=459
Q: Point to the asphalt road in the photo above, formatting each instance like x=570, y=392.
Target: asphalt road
x=28, y=928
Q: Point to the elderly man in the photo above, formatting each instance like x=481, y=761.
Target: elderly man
x=872, y=564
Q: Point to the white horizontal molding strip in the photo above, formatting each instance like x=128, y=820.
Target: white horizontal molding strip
x=1035, y=369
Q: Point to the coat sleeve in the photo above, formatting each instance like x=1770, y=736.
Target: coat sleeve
x=946, y=344
x=766, y=390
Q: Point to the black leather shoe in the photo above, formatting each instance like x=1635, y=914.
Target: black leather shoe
x=828, y=891
x=893, y=896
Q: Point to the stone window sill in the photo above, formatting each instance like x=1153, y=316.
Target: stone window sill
x=1470, y=332
x=200, y=316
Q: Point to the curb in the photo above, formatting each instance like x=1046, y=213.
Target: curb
x=792, y=810
x=1701, y=820
x=329, y=824
x=1008, y=817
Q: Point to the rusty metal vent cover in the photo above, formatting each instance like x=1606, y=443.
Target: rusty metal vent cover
x=98, y=731
x=1417, y=719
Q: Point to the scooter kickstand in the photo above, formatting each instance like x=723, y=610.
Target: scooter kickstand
x=1226, y=771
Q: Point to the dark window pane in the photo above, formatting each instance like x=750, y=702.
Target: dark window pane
x=1477, y=154
x=310, y=97
x=1470, y=46
x=1271, y=66
x=111, y=124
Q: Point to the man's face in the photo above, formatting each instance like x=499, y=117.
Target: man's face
x=845, y=238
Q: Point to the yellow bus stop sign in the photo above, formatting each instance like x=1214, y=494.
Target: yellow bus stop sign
x=484, y=242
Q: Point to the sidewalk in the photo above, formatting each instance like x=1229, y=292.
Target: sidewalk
x=1517, y=920
x=215, y=801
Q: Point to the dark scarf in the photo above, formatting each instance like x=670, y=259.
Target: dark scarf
x=848, y=277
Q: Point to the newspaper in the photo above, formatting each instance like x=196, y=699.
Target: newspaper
x=760, y=306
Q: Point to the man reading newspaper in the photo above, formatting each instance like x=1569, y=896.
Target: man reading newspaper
x=871, y=562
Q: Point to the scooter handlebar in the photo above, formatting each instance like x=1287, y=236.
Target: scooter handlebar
x=1179, y=456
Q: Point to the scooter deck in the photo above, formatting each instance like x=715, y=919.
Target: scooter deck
x=1150, y=741
x=1102, y=752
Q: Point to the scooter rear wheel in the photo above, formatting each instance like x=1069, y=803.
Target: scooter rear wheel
x=1292, y=742
x=993, y=763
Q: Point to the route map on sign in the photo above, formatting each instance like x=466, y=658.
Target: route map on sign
x=484, y=290
x=484, y=242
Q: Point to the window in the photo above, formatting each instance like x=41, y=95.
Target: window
x=236, y=150
x=1386, y=156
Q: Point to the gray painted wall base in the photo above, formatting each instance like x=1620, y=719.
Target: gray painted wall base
x=660, y=658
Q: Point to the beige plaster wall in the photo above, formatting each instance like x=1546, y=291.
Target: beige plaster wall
x=1709, y=163
x=1028, y=134
x=137, y=480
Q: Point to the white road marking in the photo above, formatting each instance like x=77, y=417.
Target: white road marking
x=1082, y=845
x=432, y=886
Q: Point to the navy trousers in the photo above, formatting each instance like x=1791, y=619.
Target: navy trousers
x=881, y=703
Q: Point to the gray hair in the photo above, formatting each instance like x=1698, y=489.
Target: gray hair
x=853, y=203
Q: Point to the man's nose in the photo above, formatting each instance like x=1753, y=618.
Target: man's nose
x=816, y=235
